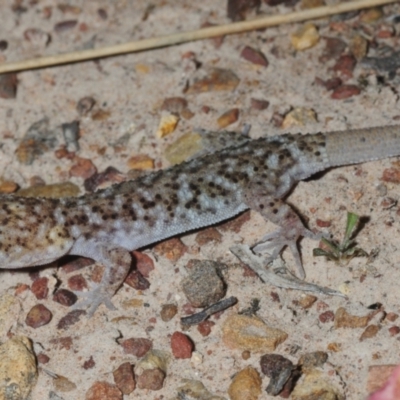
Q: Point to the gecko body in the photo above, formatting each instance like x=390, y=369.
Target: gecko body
x=108, y=224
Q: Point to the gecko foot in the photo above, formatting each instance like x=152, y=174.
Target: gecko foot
x=287, y=235
x=93, y=298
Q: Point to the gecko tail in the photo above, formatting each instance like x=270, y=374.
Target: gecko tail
x=362, y=145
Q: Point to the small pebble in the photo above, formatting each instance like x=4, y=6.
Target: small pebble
x=70, y=132
x=8, y=86
x=8, y=187
x=102, y=13
x=215, y=79
x=306, y=301
x=251, y=333
x=299, y=116
x=65, y=297
x=208, y=235
x=67, y=8
x=394, y=330
x=372, y=15
x=18, y=370
x=183, y=148
x=205, y=327
x=345, y=66
x=345, y=91
x=85, y=105
x=329, y=84
x=237, y=10
x=140, y=162
x=37, y=140
x=391, y=316
x=391, y=175
x=124, y=378
x=254, y=56
x=65, y=26
x=77, y=283
x=40, y=288
x=144, y=263
x=168, y=311
x=151, y=379
x=42, y=358
x=334, y=47
x=3, y=45
x=137, y=346
x=327, y=316
x=195, y=390
x=103, y=390
x=103, y=179
x=345, y=320
x=203, y=286
x=63, y=384
x=89, y=364
x=173, y=249
x=227, y=118
x=70, y=319
x=181, y=345
x=100, y=115
x=313, y=385
x=38, y=316
x=167, y=125
x=258, y=104
x=359, y=47
x=334, y=347
x=305, y=37
x=174, y=105
x=136, y=280
x=83, y=168
x=279, y=369
x=246, y=385
x=369, y=332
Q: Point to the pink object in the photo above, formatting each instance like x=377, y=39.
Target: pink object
x=391, y=389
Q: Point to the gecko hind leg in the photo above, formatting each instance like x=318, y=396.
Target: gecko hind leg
x=117, y=262
x=290, y=230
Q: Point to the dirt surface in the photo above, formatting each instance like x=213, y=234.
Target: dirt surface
x=129, y=92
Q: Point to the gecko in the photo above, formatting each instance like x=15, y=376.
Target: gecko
x=254, y=174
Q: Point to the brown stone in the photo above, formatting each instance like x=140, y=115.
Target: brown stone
x=369, y=332
x=124, y=378
x=38, y=316
x=168, y=311
x=251, y=333
x=246, y=384
x=216, y=79
x=227, y=118
x=102, y=391
x=345, y=320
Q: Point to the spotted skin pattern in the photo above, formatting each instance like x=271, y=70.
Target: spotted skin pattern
x=108, y=224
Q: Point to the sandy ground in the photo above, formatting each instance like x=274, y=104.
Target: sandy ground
x=132, y=88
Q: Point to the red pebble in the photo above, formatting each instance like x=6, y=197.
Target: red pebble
x=40, y=288
x=181, y=345
x=205, y=327
x=327, y=316
x=144, y=263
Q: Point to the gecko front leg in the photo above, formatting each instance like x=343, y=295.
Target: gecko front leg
x=291, y=229
x=116, y=262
